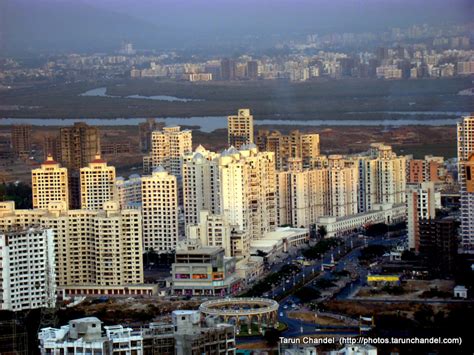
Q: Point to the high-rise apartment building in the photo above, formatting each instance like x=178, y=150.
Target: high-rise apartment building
x=240, y=128
x=343, y=187
x=439, y=245
x=228, y=68
x=213, y=230
x=201, y=189
x=78, y=145
x=167, y=149
x=421, y=204
x=27, y=262
x=252, y=69
x=145, y=130
x=97, y=184
x=129, y=192
x=49, y=183
x=240, y=185
x=428, y=169
x=285, y=147
x=160, y=210
x=101, y=248
x=21, y=140
x=248, y=189
x=466, y=179
x=302, y=195
x=382, y=177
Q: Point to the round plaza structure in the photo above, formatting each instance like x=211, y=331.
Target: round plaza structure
x=245, y=312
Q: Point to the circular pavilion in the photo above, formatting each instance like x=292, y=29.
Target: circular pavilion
x=247, y=312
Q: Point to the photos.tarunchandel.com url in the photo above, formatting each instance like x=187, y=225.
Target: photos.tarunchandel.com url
x=372, y=340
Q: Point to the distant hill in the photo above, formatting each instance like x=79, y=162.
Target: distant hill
x=36, y=26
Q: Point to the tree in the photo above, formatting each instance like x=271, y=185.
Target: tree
x=322, y=231
x=272, y=336
x=307, y=294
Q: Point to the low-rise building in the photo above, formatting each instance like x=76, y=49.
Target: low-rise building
x=203, y=270
x=185, y=335
x=340, y=226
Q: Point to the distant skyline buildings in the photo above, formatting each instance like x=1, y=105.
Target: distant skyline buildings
x=466, y=179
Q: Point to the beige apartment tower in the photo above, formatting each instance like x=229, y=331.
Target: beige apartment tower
x=97, y=184
x=100, y=248
x=168, y=146
x=160, y=210
x=49, y=183
x=240, y=128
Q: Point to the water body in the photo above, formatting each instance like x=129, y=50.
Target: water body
x=102, y=93
x=209, y=124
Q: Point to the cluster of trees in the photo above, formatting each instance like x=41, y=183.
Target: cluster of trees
x=18, y=192
x=265, y=285
x=320, y=248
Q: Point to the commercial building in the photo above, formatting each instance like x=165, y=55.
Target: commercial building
x=296, y=145
x=101, y=248
x=21, y=140
x=49, y=183
x=280, y=241
x=341, y=226
x=27, y=269
x=421, y=204
x=97, y=184
x=160, y=210
x=185, y=335
x=240, y=129
x=466, y=179
x=168, y=146
x=202, y=270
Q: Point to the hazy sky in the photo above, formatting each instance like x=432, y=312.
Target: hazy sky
x=30, y=25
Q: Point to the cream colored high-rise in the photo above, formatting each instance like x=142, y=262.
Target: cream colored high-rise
x=302, y=195
x=248, y=189
x=240, y=128
x=102, y=247
x=382, y=177
x=213, y=230
x=343, y=186
x=201, y=190
x=160, y=210
x=49, y=183
x=466, y=179
x=167, y=149
x=97, y=184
